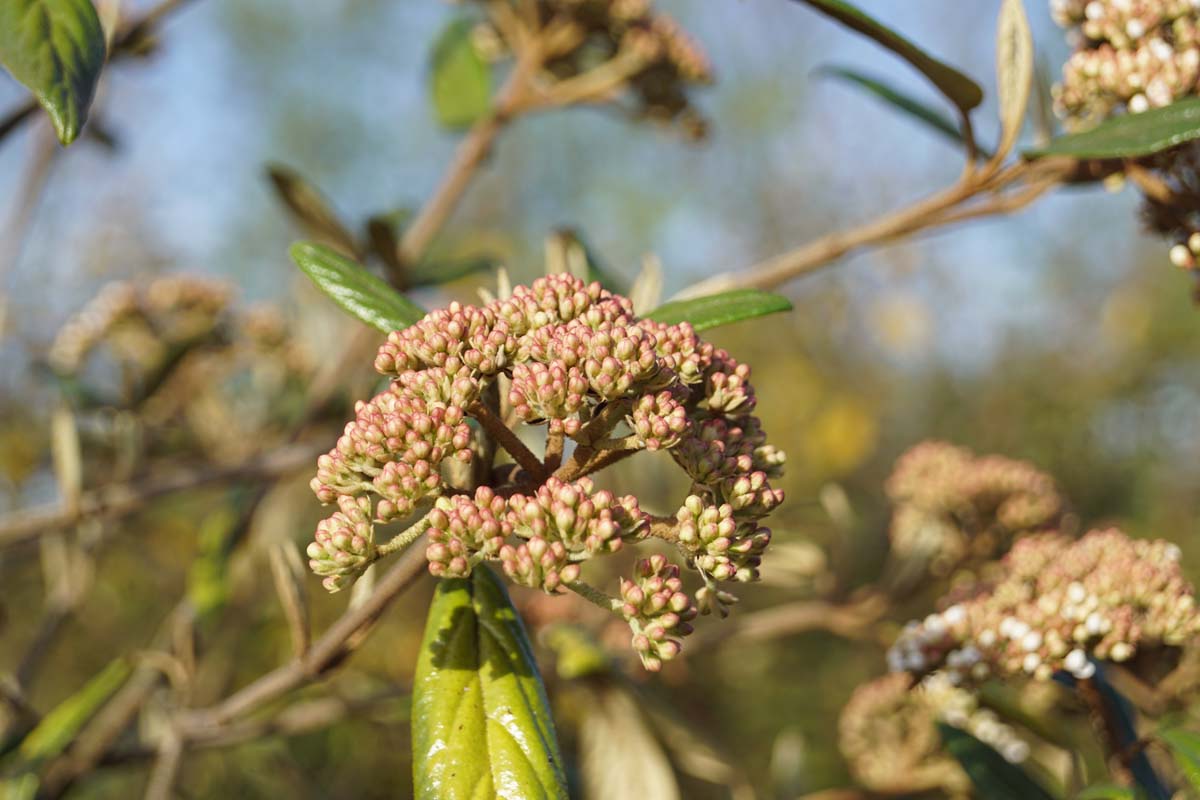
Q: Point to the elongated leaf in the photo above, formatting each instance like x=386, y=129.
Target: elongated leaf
x=1107, y=791
x=55, y=48
x=58, y=728
x=1131, y=135
x=1185, y=746
x=993, y=777
x=311, y=208
x=914, y=108
x=1014, y=71
x=958, y=88
x=460, y=80
x=481, y=725
x=355, y=289
x=619, y=753
x=438, y=271
x=721, y=309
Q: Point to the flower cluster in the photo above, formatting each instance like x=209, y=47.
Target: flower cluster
x=953, y=508
x=196, y=369
x=605, y=385
x=622, y=46
x=888, y=735
x=1132, y=54
x=1058, y=604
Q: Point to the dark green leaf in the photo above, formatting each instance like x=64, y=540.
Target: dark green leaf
x=894, y=97
x=481, y=725
x=356, y=290
x=993, y=777
x=1131, y=135
x=311, y=208
x=961, y=90
x=55, y=48
x=438, y=271
x=721, y=309
x=1107, y=791
x=460, y=80
x=1185, y=746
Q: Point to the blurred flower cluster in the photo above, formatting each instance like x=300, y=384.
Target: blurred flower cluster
x=953, y=509
x=574, y=359
x=176, y=364
x=1059, y=605
x=1134, y=54
x=888, y=735
x=599, y=50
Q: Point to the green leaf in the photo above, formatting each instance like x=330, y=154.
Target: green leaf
x=721, y=309
x=438, y=271
x=310, y=208
x=894, y=97
x=1014, y=71
x=1185, y=746
x=481, y=725
x=56, y=48
x=1107, y=791
x=993, y=777
x=1131, y=135
x=958, y=88
x=59, y=728
x=460, y=81
x=356, y=290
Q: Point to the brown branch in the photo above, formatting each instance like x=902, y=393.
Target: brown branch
x=928, y=213
x=124, y=499
x=855, y=620
x=467, y=159
x=505, y=437
x=325, y=653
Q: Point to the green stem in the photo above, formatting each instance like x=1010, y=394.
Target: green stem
x=595, y=596
x=403, y=539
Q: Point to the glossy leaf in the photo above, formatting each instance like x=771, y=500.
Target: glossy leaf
x=721, y=309
x=1014, y=71
x=310, y=208
x=56, y=48
x=481, y=724
x=992, y=776
x=958, y=88
x=356, y=290
x=1131, y=135
x=460, y=80
x=1185, y=746
x=914, y=108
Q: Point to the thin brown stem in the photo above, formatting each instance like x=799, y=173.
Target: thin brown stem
x=124, y=499
x=325, y=653
x=505, y=437
x=467, y=159
x=554, y=450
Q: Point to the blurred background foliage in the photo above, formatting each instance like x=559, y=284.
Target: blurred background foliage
x=1061, y=336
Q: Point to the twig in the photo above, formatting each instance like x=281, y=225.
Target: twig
x=928, y=213
x=125, y=499
x=470, y=155
x=853, y=621
x=325, y=653
x=505, y=437
x=166, y=767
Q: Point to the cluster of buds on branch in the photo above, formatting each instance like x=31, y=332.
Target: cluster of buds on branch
x=1134, y=55
x=1058, y=605
x=573, y=358
x=953, y=509
x=600, y=50
x=184, y=352
x=888, y=735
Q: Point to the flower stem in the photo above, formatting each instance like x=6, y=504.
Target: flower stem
x=404, y=538
x=507, y=439
x=595, y=596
